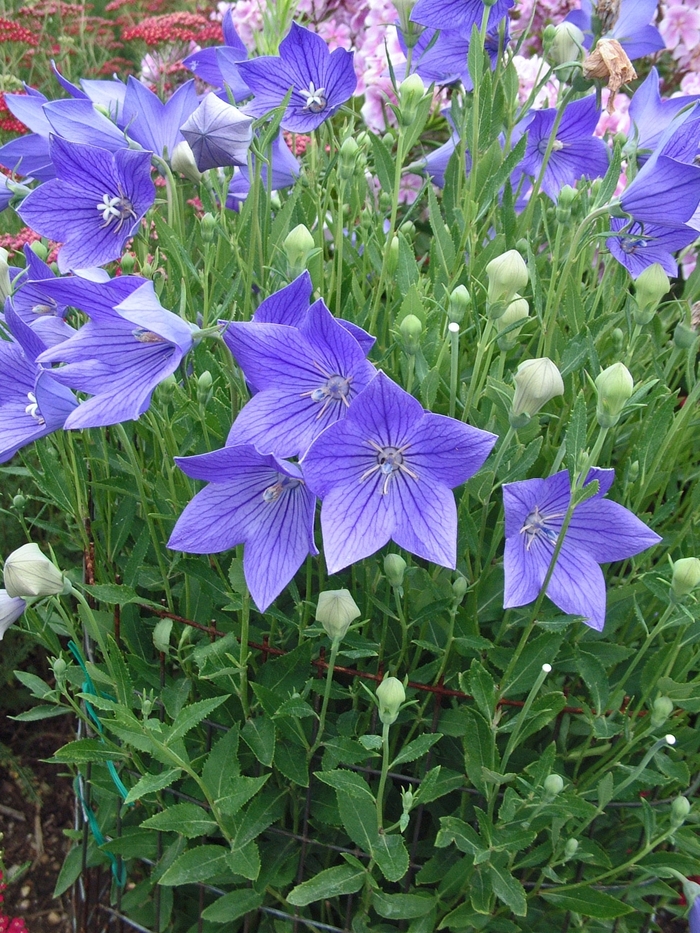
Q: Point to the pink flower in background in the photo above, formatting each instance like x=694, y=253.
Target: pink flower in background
x=530, y=71
x=247, y=17
x=616, y=122
x=681, y=26
x=690, y=84
x=687, y=262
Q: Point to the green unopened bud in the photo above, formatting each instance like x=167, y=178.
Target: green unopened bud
x=298, y=246
x=408, y=228
x=536, y=382
x=182, y=161
x=517, y=312
x=5, y=287
x=411, y=93
x=633, y=472
x=565, y=201
x=394, y=570
x=28, y=572
x=390, y=696
x=507, y=275
x=204, y=388
x=404, y=8
x=147, y=703
x=660, y=711
x=411, y=327
x=615, y=386
x=680, y=808
x=650, y=288
x=59, y=671
x=684, y=337
x=208, y=226
x=392, y=259
x=686, y=576
x=389, y=139
x=335, y=611
x=548, y=34
x=127, y=263
x=566, y=45
x=166, y=389
x=347, y=158
x=553, y=785
x=459, y=588
x=38, y=248
x=692, y=892
x=460, y=299
x=571, y=848
x=19, y=502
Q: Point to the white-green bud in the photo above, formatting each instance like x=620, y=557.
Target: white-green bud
x=460, y=299
x=390, y=696
x=5, y=287
x=517, y=311
x=507, y=275
x=335, y=611
x=650, y=288
x=571, y=848
x=566, y=45
x=686, y=576
x=459, y=588
x=411, y=93
x=29, y=573
x=565, y=201
x=684, y=337
x=553, y=785
x=59, y=671
x=536, y=382
x=208, y=226
x=182, y=161
x=204, y=388
x=39, y=249
x=660, y=711
x=394, y=570
x=347, y=158
x=298, y=246
x=19, y=502
x=615, y=386
x=680, y=808
x=411, y=327
x=392, y=259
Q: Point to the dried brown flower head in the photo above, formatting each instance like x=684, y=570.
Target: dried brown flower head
x=608, y=61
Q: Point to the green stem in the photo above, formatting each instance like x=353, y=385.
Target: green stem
x=335, y=647
x=383, y=776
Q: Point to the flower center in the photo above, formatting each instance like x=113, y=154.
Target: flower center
x=277, y=490
x=630, y=244
x=32, y=409
x=315, y=98
x=147, y=336
x=45, y=307
x=537, y=524
x=389, y=462
x=334, y=389
x=115, y=208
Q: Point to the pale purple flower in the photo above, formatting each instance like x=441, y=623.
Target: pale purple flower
x=386, y=472
x=459, y=14
x=600, y=531
x=307, y=378
x=218, y=65
x=29, y=155
x=694, y=916
x=638, y=246
x=651, y=115
x=632, y=28
x=252, y=499
x=218, y=133
x=94, y=205
x=320, y=80
x=11, y=608
x=153, y=124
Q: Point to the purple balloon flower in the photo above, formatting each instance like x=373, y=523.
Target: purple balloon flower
x=32, y=402
x=650, y=115
x=94, y=205
x=576, y=152
x=386, y=473
x=218, y=65
x=638, y=246
x=320, y=81
x=255, y=500
x=284, y=171
x=632, y=27
x=120, y=355
x=443, y=60
x=307, y=378
x=153, y=124
x=218, y=133
x=458, y=14
x=11, y=608
x=29, y=155
x=600, y=531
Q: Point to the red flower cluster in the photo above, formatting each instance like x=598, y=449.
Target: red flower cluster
x=13, y=32
x=174, y=27
x=8, y=123
x=9, y=924
x=297, y=142
x=13, y=243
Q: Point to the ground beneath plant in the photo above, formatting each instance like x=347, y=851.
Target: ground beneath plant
x=36, y=805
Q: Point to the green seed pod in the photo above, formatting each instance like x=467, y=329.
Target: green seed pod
x=394, y=570
x=615, y=386
x=686, y=576
x=390, y=696
x=335, y=611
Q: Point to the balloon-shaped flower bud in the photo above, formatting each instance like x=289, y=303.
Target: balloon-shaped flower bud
x=335, y=611
x=182, y=161
x=39, y=249
x=411, y=327
x=392, y=258
x=649, y=288
x=553, y=785
x=5, y=287
x=347, y=158
x=517, y=312
x=571, y=848
x=298, y=245
x=204, y=388
x=460, y=299
x=459, y=588
x=686, y=576
x=660, y=711
x=566, y=45
x=29, y=573
x=207, y=226
x=507, y=275
x=218, y=133
x=390, y=696
x=411, y=93
x=394, y=569
x=536, y=382
x=11, y=608
x=684, y=337
x=565, y=201
x=615, y=386
x=680, y=808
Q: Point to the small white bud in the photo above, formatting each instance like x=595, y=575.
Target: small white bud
x=507, y=275
x=536, y=382
x=615, y=386
x=182, y=161
x=29, y=573
x=390, y=696
x=335, y=611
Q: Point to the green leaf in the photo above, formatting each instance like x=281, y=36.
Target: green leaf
x=383, y=163
x=588, y=903
x=245, y=860
x=416, y=749
x=84, y=750
x=593, y=675
x=240, y=790
x=482, y=688
x=259, y=736
x=464, y=836
x=232, y=906
x=221, y=767
x=191, y=716
x=359, y=817
x=185, y=818
x=346, y=782
x=391, y=855
x=436, y=783
x=198, y=864
x=38, y=688
x=442, y=241
x=576, y=434
x=112, y=594
x=507, y=888
x=333, y=882
x=402, y=906
x=150, y=783
x=70, y=871
x=40, y=712
x=292, y=765
x=605, y=790
x=479, y=749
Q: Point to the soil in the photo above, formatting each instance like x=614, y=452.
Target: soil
x=36, y=805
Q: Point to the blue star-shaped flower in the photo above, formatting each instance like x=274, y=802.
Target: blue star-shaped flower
x=632, y=27
x=320, y=81
x=255, y=500
x=386, y=473
x=153, y=124
x=307, y=378
x=459, y=14
x=94, y=205
x=638, y=246
x=600, y=531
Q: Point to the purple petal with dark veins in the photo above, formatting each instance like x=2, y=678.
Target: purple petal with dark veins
x=447, y=451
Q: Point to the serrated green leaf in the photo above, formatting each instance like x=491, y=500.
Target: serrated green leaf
x=191, y=716
x=333, y=882
x=198, y=864
x=150, y=783
x=232, y=906
x=185, y=818
x=391, y=855
x=84, y=750
x=402, y=906
x=588, y=903
x=416, y=749
x=259, y=736
x=507, y=888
